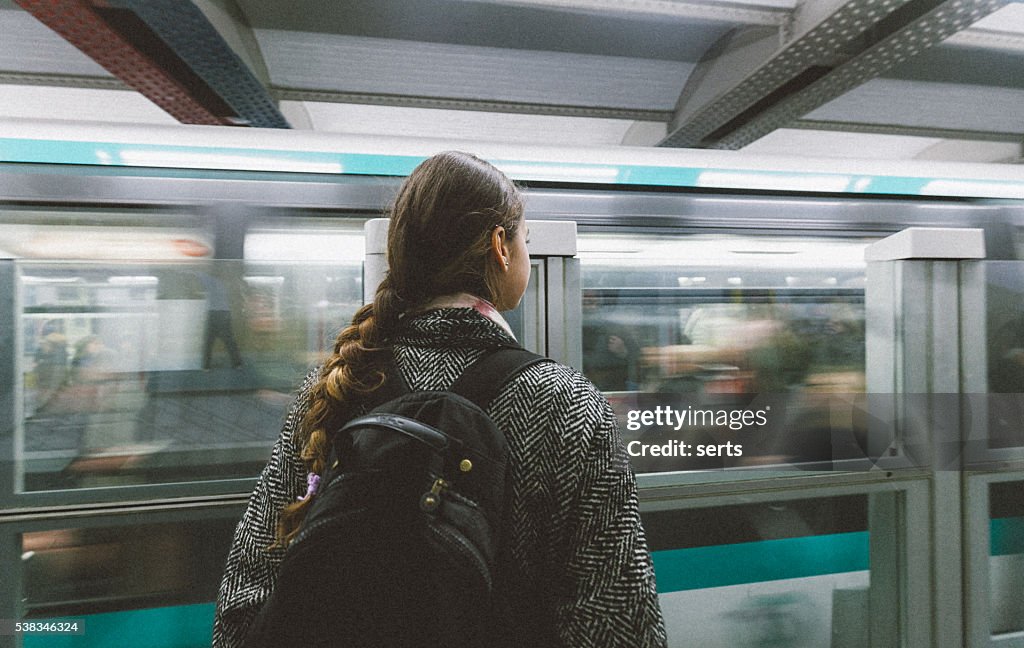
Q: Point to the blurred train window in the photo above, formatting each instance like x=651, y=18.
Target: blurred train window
x=777, y=573
x=111, y=576
x=150, y=355
x=1006, y=557
x=708, y=316
x=1004, y=321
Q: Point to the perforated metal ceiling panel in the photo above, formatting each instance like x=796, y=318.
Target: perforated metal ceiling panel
x=855, y=43
x=165, y=49
x=187, y=31
x=76, y=21
x=946, y=19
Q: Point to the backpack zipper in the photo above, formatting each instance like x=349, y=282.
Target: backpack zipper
x=432, y=498
x=462, y=547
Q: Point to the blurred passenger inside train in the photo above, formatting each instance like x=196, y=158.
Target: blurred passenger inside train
x=574, y=558
x=51, y=358
x=218, y=319
x=84, y=393
x=610, y=352
x=1006, y=374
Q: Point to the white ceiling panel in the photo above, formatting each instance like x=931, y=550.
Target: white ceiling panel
x=29, y=46
x=461, y=124
x=80, y=104
x=1008, y=19
x=811, y=143
x=355, y=64
x=923, y=104
x=973, y=151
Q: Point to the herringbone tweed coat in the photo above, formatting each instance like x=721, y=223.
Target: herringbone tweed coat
x=575, y=540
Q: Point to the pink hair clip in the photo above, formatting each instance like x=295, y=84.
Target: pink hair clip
x=312, y=482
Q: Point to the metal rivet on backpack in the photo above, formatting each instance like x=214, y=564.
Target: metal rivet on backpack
x=465, y=465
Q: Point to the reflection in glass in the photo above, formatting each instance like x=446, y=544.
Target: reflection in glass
x=1006, y=561
x=151, y=373
x=709, y=319
x=792, y=573
x=87, y=570
x=1004, y=304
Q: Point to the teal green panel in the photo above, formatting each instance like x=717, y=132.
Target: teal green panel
x=658, y=176
x=117, y=154
x=755, y=562
x=38, y=151
x=164, y=156
x=1007, y=536
x=895, y=185
x=387, y=165
x=183, y=626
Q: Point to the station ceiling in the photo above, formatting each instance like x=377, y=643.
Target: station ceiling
x=882, y=79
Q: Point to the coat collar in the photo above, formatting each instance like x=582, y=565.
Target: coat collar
x=453, y=327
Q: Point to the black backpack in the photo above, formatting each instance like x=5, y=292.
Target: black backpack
x=399, y=547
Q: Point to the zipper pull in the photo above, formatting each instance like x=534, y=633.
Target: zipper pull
x=432, y=499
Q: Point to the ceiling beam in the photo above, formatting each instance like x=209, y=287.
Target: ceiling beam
x=750, y=86
x=189, y=33
x=749, y=12
x=78, y=22
x=446, y=103
x=62, y=80
x=168, y=51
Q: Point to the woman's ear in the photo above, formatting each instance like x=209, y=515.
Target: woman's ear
x=500, y=248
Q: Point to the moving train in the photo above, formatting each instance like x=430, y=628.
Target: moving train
x=135, y=429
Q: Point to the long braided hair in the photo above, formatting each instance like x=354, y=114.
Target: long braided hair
x=438, y=244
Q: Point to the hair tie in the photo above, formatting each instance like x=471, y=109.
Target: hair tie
x=312, y=482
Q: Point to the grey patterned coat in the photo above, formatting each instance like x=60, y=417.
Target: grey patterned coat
x=575, y=537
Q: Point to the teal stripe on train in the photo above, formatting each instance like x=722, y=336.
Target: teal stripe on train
x=190, y=626
x=117, y=154
x=755, y=562
x=1006, y=536
x=181, y=626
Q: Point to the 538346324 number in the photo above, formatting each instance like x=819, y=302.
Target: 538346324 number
x=9, y=627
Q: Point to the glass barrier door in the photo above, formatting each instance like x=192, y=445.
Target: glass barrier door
x=546, y=320
x=993, y=450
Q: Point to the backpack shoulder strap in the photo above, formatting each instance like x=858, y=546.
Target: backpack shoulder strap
x=483, y=379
